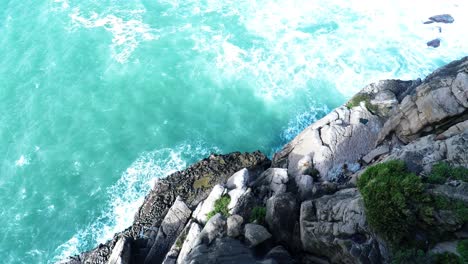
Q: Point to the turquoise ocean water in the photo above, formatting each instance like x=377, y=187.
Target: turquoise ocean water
x=100, y=98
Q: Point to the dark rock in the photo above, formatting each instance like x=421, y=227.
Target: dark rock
x=434, y=43
x=222, y=251
x=335, y=226
x=445, y=18
x=234, y=224
x=256, y=234
x=282, y=216
x=280, y=255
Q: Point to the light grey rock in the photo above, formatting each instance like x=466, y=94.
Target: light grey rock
x=121, y=252
x=272, y=181
x=189, y=242
x=375, y=153
x=330, y=147
x=215, y=227
x=172, y=225
x=234, y=225
x=446, y=246
x=207, y=205
x=335, y=226
x=441, y=96
x=459, y=88
x=256, y=234
x=305, y=184
x=224, y=250
x=456, y=129
x=235, y=195
x=422, y=153
x=238, y=180
x=281, y=216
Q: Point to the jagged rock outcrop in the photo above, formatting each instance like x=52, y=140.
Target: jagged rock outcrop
x=306, y=208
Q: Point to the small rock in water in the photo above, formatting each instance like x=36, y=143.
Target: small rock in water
x=434, y=43
x=428, y=22
x=445, y=18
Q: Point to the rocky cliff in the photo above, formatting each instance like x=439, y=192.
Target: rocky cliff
x=380, y=179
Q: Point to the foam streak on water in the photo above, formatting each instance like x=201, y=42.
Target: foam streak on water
x=101, y=98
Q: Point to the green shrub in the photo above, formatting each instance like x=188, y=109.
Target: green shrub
x=358, y=98
x=391, y=196
x=445, y=258
x=459, y=207
x=258, y=214
x=442, y=171
x=410, y=256
x=416, y=256
x=462, y=249
x=220, y=206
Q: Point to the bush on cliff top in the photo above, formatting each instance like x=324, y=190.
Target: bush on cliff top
x=390, y=195
x=221, y=206
x=442, y=171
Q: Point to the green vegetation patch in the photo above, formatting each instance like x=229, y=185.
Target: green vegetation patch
x=203, y=182
x=462, y=249
x=458, y=207
x=443, y=171
x=221, y=206
x=362, y=97
x=258, y=214
x=390, y=195
x=416, y=256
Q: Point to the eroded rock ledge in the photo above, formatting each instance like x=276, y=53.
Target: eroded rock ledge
x=304, y=207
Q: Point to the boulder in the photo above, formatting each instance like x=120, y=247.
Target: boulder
x=234, y=225
x=256, y=234
x=215, y=227
x=445, y=18
x=235, y=195
x=280, y=255
x=305, y=186
x=189, y=242
x=238, y=180
x=208, y=204
x=121, y=253
x=224, y=250
x=172, y=225
x=375, y=153
x=282, y=216
x=270, y=182
x=435, y=43
x=422, y=153
x=335, y=226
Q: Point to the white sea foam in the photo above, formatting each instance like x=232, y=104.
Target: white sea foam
x=128, y=193
x=22, y=161
x=126, y=33
x=347, y=43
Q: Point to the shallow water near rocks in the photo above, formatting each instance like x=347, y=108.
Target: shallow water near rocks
x=100, y=98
